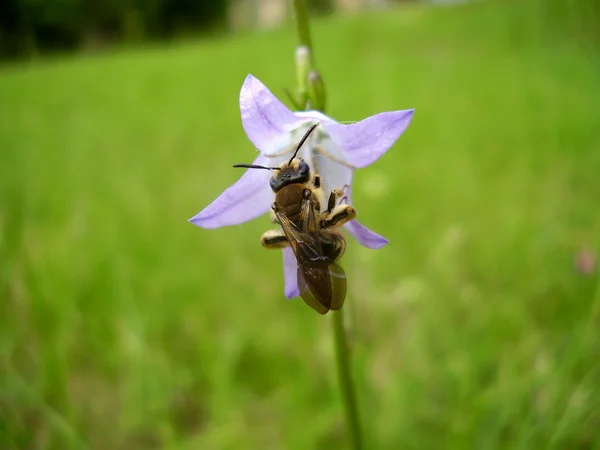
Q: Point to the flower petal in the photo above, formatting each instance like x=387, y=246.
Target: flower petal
x=290, y=273
x=333, y=174
x=265, y=119
x=365, y=141
x=364, y=236
x=250, y=197
x=316, y=115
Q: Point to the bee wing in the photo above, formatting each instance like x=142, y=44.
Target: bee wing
x=305, y=246
x=307, y=216
x=321, y=282
x=322, y=287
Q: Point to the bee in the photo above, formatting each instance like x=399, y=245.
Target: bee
x=311, y=233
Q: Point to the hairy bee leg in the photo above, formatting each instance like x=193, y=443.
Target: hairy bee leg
x=340, y=215
x=274, y=239
x=273, y=217
x=333, y=198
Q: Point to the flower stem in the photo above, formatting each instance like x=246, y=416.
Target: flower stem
x=310, y=90
x=305, y=72
x=302, y=23
x=348, y=391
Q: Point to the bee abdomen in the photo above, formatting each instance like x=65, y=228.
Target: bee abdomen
x=333, y=244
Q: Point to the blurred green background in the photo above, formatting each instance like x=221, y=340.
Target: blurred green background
x=124, y=326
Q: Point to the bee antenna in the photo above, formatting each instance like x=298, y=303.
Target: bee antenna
x=254, y=166
x=302, y=141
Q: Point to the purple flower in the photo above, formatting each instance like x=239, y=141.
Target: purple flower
x=335, y=150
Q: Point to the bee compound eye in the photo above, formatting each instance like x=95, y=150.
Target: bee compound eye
x=303, y=168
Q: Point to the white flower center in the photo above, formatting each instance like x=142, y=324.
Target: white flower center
x=323, y=156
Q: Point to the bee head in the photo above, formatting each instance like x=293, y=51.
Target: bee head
x=298, y=172
x=295, y=171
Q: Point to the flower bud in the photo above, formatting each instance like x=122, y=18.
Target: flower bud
x=303, y=68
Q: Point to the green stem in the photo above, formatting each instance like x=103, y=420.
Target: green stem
x=304, y=56
x=342, y=353
x=302, y=24
x=305, y=70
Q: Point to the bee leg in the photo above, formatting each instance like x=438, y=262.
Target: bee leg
x=274, y=239
x=273, y=216
x=340, y=215
x=333, y=197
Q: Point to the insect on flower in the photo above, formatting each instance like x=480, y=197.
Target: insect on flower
x=310, y=232
x=333, y=150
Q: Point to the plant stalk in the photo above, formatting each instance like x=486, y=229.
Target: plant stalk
x=304, y=69
x=302, y=27
x=348, y=391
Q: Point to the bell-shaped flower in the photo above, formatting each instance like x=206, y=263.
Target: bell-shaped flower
x=333, y=150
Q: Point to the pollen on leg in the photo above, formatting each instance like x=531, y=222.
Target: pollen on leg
x=339, y=216
x=274, y=239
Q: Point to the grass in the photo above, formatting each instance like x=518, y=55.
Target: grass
x=123, y=326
